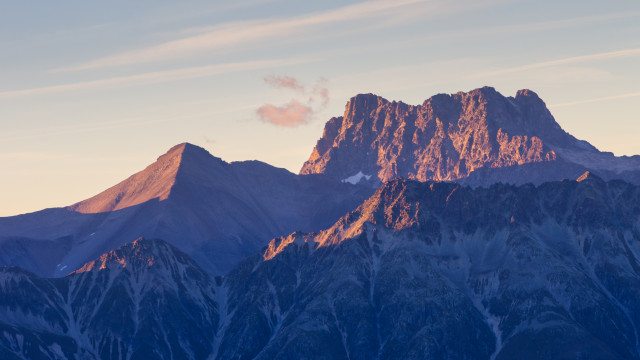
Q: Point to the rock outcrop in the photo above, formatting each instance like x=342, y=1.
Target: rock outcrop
x=479, y=137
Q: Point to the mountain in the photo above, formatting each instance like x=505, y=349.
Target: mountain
x=419, y=270
x=478, y=138
x=217, y=212
x=145, y=300
x=438, y=270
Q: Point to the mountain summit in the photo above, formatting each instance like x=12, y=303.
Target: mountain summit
x=154, y=182
x=479, y=137
x=217, y=212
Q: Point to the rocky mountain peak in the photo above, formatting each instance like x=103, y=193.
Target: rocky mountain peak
x=446, y=138
x=141, y=255
x=363, y=104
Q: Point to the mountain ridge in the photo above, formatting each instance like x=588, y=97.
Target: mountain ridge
x=217, y=212
x=451, y=137
x=420, y=269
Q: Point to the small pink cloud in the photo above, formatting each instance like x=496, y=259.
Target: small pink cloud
x=291, y=114
x=284, y=82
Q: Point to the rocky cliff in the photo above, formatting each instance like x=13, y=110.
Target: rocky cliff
x=479, y=137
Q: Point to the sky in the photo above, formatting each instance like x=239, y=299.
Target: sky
x=92, y=92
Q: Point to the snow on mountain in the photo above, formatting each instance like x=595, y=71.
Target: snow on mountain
x=354, y=179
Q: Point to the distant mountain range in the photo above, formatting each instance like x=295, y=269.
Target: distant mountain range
x=373, y=252
x=219, y=213
x=476, y=138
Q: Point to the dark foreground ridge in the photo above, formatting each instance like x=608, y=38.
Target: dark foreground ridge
x=419, y=270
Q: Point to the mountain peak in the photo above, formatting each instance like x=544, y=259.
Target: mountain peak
x=186, y=149
x=154, y=182
x=527, y=93
x=486, y=91
x=446, y=138
x=140, y=254
x=363, y=104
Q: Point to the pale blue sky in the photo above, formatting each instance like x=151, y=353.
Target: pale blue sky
x=91, y=92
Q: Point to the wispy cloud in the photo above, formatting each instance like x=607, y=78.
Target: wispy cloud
x=509, y=30
x=157, y=77
x=605, y=98
x=565, y=61
x=294, y=113
x=320, y=93
x=225, y=36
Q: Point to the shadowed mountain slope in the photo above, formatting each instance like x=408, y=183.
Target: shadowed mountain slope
x=217, y=212
x=145, y=300
x=436, y=270
x=419, y=270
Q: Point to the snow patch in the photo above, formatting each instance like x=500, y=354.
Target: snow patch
x=356, y=178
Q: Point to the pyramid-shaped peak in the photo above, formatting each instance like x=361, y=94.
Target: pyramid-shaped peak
x=141, y=254
x=185, y=149
x=153, y=183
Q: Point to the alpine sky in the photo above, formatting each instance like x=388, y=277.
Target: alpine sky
x=90, y=92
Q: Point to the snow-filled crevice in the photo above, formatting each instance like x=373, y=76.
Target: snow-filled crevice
x=222, y=301
x=376, y=255
x=343, y=333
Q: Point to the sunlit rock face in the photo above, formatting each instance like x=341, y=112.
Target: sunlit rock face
x=419, y=270
x=479, y=138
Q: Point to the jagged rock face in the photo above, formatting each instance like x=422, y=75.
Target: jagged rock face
x=444, y=271
x=449, y=137
x=217, y=212
x=419, y=270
